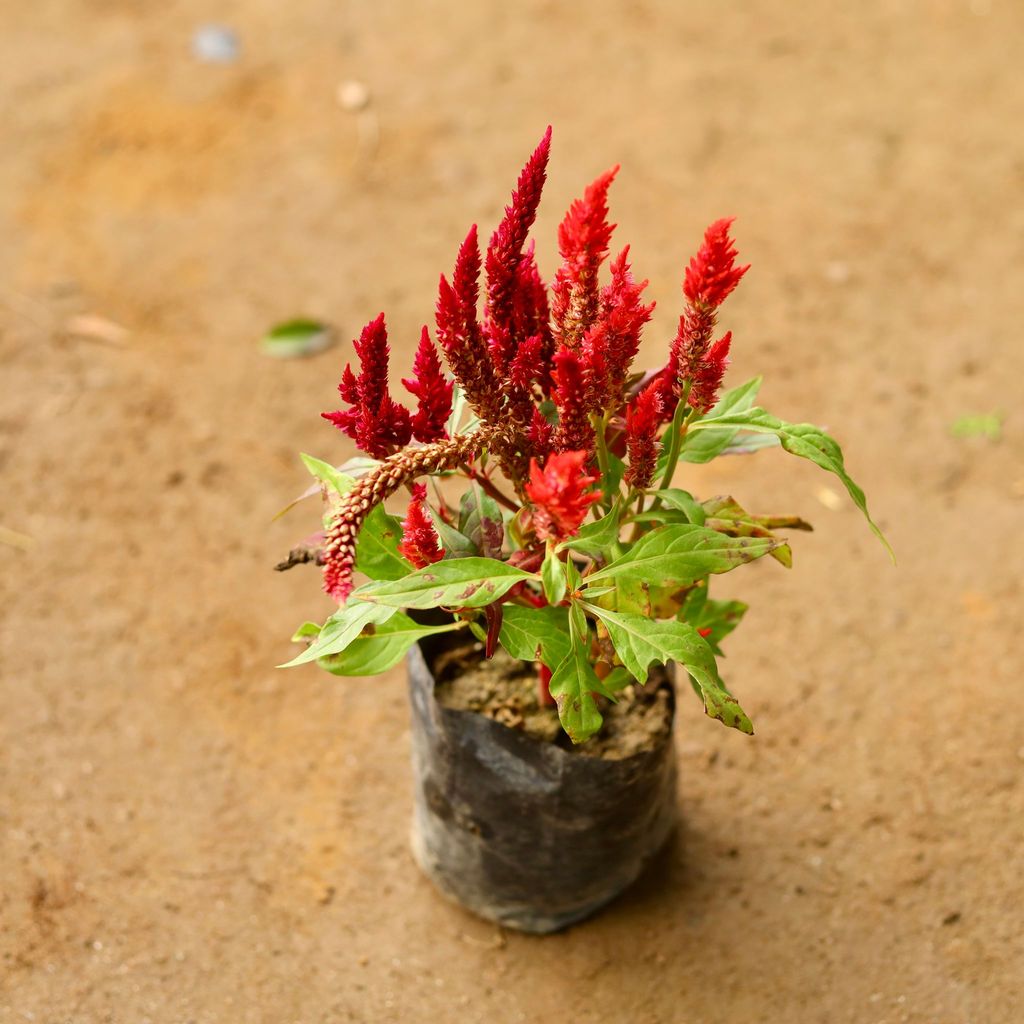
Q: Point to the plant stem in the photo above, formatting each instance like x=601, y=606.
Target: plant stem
x=489, y=488
x=600, y=429
x=678, y=432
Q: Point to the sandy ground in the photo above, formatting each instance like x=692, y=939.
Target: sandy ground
x=188, y=834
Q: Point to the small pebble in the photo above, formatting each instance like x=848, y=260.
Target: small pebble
x=215, y=44
x=353, y=96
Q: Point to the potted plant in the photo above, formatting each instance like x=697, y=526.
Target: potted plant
x=551, y=579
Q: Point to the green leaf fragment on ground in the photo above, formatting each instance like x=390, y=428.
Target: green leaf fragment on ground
x=297, y=338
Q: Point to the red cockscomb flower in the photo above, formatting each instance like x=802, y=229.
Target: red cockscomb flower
x=559, y=494
x=707, y=378
x=419, y=539
x=583, y=239
x=712, y=273
x=433, y=391
x=376, y=422
x=642, y=421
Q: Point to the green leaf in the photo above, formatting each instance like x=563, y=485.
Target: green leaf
x=480, y=520
x=727, y=516
x=704, y=448
x=552, y=576
x=720, y=617
x=573, y=685
x=298, y=337
x=535, y=634
x=377, y=546
x=454, y=583
x=708, y=444
x=676, y=556
x=595, y=538
x=988, y=425
x=682, y=501
x=305, y=631
x=339, y=482
x=804, y=440
x=641, y=642
x=341, y=629
x=380, y=647
x=456, y=544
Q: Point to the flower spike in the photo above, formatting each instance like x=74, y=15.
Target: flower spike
x=712, y=273
x=505, y=249
x=570, y=394
x=459, y=334
x=643, y=418
x=376, y=422
x=583, y=239
x=419, y=542
x=433, y=391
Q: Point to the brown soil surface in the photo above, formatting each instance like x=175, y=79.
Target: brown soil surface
x=506, y=690
x=189, y=834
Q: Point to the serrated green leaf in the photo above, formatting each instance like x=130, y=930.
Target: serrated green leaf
x=377, y=547
x=454, y=583
x=341, y=629
x=641, y=642
x=380, y=647
x=678, y=555
x=802, y=439
x=535, y=634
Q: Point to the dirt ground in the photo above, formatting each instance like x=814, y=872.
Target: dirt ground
x=188, y=834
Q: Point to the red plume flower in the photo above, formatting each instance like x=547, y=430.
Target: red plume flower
x=709, y=373
x=433, y=391
x=642, y=421
x=612, y=343
x=459, y=334
x=557, y=492
x=570, y=394
x=583, y=239
x=712, y=273
x=377, y=423
x=693, y=361
x=505, y=249
x=419, y=539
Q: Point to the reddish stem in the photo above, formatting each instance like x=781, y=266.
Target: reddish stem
x=544, y=697
x=489, y=488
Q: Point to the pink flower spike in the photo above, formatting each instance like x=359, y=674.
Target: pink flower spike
x=432, y=390
x=419, y=540
x=712, y=273
x=559, y=496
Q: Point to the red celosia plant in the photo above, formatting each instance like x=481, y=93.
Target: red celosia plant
x=570, y=546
